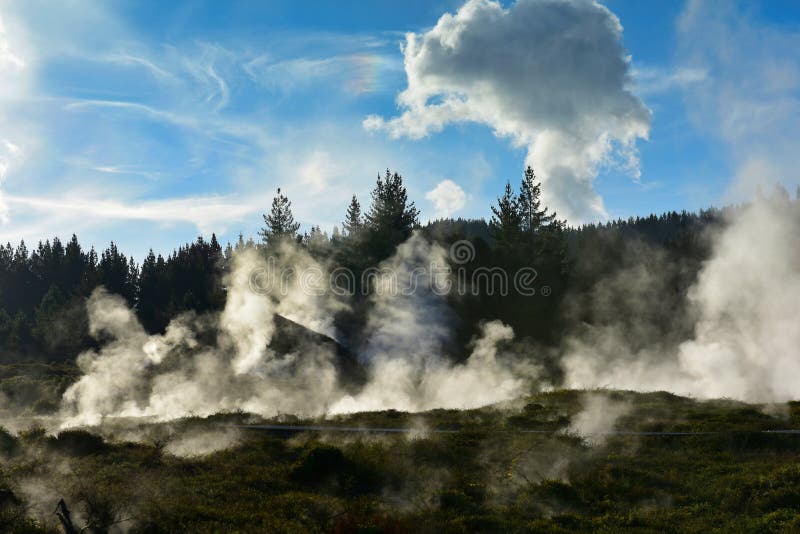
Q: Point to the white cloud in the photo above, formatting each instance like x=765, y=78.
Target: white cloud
x=356, y=73
x=552, y=75
x=9, y=61
x=130, y=59
x=13, y=85
x=126, y=170
x=109, y=118
x=289, y=74
x=9, y=152
x=206, y=213
x=203, y=69
x=655, y=80
x=317, y=171
x=447, y=198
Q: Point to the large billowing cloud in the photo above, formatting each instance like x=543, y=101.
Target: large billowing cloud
x=551, y=75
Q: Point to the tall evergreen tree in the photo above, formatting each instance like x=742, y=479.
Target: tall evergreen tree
x=318, y=242
x=118, y=274
x=353, y=220
x=152, y=292
x=240, y=245
x=533, y=216
x=506, y=224
x=391, y=217
x=74, y=265
x=279, y=222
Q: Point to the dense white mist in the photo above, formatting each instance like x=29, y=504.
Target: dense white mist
x=407, y=331
x=180, y=373
x=247, y=318
x=745, y=305
x=174, y=375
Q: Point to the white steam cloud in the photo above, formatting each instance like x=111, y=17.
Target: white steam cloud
x=175, y=375
x=405, y=350
x=744, y=343
x=552, y=75
x=180, y=373
x=598, y=417
x=745, y=302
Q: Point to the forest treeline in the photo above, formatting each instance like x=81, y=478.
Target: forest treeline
x=43, y=289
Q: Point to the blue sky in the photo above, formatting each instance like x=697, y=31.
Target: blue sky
x=152, y=122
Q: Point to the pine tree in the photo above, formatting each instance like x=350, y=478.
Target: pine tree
x=216, y=249
x=533, y=216
x=318, y=241
x=279, y=223
x=74, y=265
x=240, y=243
x=21, y=253
x=391, y=217
x=118, y=274
x=151, y=295
x=506, y=224
x=353, y=221
x=390, y=206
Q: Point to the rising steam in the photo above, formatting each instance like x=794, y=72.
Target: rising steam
x=745, y=339
x=745, y=306
x=180, y=373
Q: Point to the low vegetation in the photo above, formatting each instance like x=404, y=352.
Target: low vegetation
x=453, y=471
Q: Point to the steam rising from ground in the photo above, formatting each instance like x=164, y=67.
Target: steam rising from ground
x=182, y=373
x=746, y=304
x=407, y=333
x=202, y=442
x=744, y=307
x=599, y=417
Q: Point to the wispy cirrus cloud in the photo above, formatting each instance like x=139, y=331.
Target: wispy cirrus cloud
x=129, y=59
x=648, y=81
x=352, y=73
x=206, y=213
x=8, y=59
x=750, y=98
x=147, y=140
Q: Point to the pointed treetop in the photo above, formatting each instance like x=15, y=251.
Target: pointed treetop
x=353, y=220
x=279, y=222
x=533, y=216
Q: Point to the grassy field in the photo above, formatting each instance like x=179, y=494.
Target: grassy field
x=214, y=475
